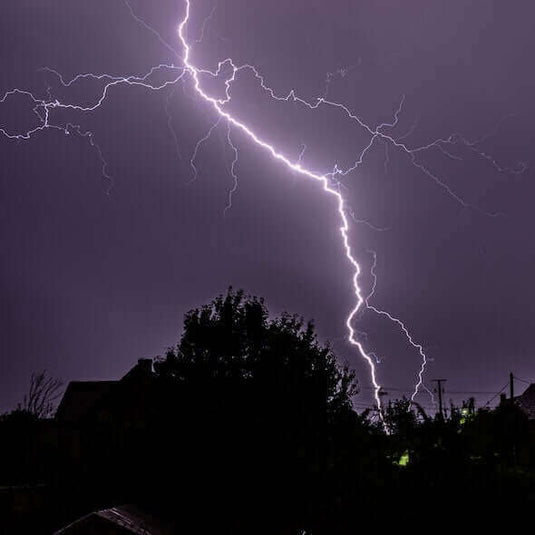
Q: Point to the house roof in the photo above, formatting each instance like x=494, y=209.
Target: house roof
x=123, y=520
x=526, y=401
x=81, y=397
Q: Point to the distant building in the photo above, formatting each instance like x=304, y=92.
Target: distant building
x=526, y=401
x=85, y=401
x=80, y=398
x=98, y=430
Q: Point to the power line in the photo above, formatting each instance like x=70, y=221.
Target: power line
x=523, y=380
x=494, y=393
x=410, y=390
x=440, y=391
x=497, y=393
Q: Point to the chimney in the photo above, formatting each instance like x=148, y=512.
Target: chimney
x=503, y=399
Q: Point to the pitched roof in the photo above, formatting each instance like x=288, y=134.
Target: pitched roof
x=85, y=398
x=526, y=401
x=80, y=397
x=123, y=520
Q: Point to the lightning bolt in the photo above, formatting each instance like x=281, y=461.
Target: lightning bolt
x=170, y=127
x=419, y=348
x=198, y=146
x=302, y=153
x=329, y=182
x=327, y=185
x=200, y=39
x=234, y=187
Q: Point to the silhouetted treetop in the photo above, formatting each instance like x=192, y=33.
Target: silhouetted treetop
x=233, y=340
x=40, y=401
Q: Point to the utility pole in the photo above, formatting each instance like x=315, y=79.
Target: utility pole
x=511, y=386
x=440, y=390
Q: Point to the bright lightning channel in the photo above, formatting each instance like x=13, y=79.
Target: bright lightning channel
x=419, y=348
x=233, y=172
x=43, y=107
x=217, y=105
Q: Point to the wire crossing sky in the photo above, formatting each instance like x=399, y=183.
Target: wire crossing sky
x=220, y=89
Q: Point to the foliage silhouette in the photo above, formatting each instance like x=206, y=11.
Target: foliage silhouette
x=40, y=400
x=247, y=426
x=273, y=398
x=232, y=340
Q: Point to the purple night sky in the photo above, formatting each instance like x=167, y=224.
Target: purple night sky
x=96, y=274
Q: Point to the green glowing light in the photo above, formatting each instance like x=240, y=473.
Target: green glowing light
x=404, y=459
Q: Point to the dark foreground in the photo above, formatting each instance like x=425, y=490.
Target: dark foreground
x=247, y=427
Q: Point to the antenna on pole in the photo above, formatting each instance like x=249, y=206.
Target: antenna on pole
x=440, y=391
x=511, y=386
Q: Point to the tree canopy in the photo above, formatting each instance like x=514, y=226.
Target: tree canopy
x=247, y=426
x=232, y=342
x=264, y=411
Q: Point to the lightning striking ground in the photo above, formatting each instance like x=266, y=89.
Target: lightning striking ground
x=43, y=108
x=419, y=348
x=217, y=105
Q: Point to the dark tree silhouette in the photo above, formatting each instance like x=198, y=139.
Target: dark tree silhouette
x=232, y=340
x=247, y=426
x=41, y=399
x=264, y=409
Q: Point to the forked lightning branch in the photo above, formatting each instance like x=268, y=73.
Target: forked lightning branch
x=44, y=108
